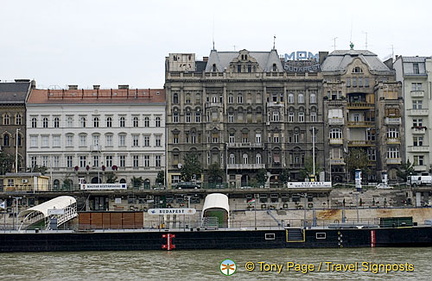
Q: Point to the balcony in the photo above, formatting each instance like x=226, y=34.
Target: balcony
x=420, y=168
x=393, y=141
x=245, y=145
x=360, y=105
x=360, y=124
x=95, y=148
x=336, y=141
x=424, y=148
x=418, y=130
x=393, y=121
x=336, y=121
x=360, y=143
x=339, y=161
x=418, y=112
x=393, y=161
x=275, y=104
x=245, y=166
x=417, y=94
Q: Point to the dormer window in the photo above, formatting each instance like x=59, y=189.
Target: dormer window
x=238, y=68
x=214, y=69
x=357, y=70
x=274, y=67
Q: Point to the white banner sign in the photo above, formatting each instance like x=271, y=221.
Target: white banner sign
x=56, y=212
x=307, y=184
x=103, y=186
x=172, y=211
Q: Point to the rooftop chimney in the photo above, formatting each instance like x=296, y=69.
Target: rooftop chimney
x=73, y=87
x=123, y=87
x=96, y=87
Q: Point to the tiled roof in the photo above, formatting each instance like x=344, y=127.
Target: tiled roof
x=414, y=59
x=14, y=92
x=100, y=96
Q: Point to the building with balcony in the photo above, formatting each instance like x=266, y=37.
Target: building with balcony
x=13, y=97
x=362, y=108
x=245, y=111
x=413, y=73
x=96, y=135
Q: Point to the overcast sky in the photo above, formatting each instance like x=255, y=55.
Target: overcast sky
x=112, y=42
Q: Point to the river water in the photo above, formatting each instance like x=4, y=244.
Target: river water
x=336, y=264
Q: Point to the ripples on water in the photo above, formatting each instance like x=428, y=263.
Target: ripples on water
x=204, y=264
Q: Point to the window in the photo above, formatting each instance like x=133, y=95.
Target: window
x=416, y=69
x=83, y=140
x=188, y=117
x=232, y=159
x=122, y=159
x=109, y=122
x=109, y=140
x=258, y=158
x=83, y=121
x=135, y=161
x=82, y=161
x=231, y=138
x=147, y=121
x=56, y=141
x=301, y=116
x=34, y=122
x=245, y=138
x=230, y=117
x=69, y=121
x=335, y=133
x=158, y=161
x=69, y=162
x=258, y=138
x=300, y=98
x=45, y=122
x=158, y=140
x=146, y=141
x=45, y=141
x=158, y=121
x=392, y=152
x=6, y=119
x=33, y=160
x=371, y=154
x=175, y=138
x=135, y=140
x=45, y=161
x=188, y=99
x=417, y=104
x=175, y=117
x=175, y=98
x=419, y=160
x=96, y=140
x=215, y=137
x=417, y=122
x=276, y=116
x=290, y=116
x=18, y=119
x=357, y=70
x=109, y=160
x=135, y=122
x=198, y=117
x=296, y=137
x=392, y=133
x=146, y=160
x=56, y=122
x=33, y=141
x=95, y=160
x=96, y=122
x=122, y=122
x=230, y=99
x=418, y=141
x=239, y=98
x=416, y=86
x=290, y=98
x=245, y=159
x=312, y=98
x=122, y=140
x=69, y=140
x=313, y=116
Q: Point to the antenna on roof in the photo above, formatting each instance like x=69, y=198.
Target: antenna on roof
x=334, y=43
x=366, y=45
x=213, y=35
x=274, y=42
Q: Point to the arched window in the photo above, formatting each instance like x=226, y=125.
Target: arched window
x=96, y=122
x=258, y=158
x=56, y=122
x=335, y=133
x=245, y=159
x=175, y=98
x=158, y=121
x=34, y=122
x=135, y=122
x=300, y=98
x=6, y=119
x=45, y=122
x=291, y=98
x=146, y=121
x=83, y=121
x=313, y=98
x=122, y=122
x=6, y=140
x=109, y=122
x=18, y=119
x=232, y=159
x=357, y=69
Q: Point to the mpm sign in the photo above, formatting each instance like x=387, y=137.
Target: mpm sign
x=301, y=55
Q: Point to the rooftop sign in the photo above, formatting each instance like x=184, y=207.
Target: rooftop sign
x=302, y=61
x=172, y=211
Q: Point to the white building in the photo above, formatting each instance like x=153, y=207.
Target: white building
x=96, y=135
x=413, y=73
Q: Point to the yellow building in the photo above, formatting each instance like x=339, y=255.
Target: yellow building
x=24, y=182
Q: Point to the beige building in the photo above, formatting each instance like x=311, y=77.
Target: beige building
x=24, y=182
x=364, y=111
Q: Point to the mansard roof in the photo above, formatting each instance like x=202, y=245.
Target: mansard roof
x=337, y=61
x=264, y=59
x=14, y=92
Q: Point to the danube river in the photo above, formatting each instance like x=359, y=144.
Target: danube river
x=286, y=264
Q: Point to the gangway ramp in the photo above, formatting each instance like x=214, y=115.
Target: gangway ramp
x=58, y=210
